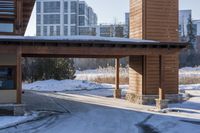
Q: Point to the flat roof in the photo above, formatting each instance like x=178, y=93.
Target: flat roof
x=87, y=40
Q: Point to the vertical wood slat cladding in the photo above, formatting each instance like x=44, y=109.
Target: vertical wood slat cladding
x=156, y=20
x=160, y=16
x=136, y=25
x=136, y=74
x=152, y=74
x=171, y=74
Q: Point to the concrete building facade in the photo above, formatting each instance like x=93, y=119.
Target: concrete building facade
x=111, y=30
x=196, y=26
x=63, y=17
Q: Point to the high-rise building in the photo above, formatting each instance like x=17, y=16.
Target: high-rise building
x=184, y=16
x=63, y=17
x=127, y=23
x=110, y=30
x=196, y=27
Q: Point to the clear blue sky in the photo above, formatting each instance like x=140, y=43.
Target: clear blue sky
x=110, y=11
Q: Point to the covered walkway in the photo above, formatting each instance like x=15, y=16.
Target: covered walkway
x=13, y=48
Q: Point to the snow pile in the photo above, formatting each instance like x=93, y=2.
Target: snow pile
x=8, y=121
x=64, y=85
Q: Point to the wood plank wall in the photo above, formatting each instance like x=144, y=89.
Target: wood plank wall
x=136, y=74
x=161, y=20
x=136, y=24
x=156, y=20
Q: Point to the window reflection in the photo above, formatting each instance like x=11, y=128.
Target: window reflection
x=7, y=78
x=6, y=27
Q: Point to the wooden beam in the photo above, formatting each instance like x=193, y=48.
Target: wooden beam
x=117, y=92
x=94, y=51
x=19, y=75
x=162, y=77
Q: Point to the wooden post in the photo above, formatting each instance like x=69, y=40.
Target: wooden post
x=19, y=75
x=162, y=78
x=117, y=92
x=117, y=73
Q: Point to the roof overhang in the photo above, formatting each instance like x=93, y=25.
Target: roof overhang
x=84, y=46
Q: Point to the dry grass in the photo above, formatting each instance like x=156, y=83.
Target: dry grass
x=125, y=80
x=104, y=75
x=107, y=75
x=111, y=80
x=189, y=80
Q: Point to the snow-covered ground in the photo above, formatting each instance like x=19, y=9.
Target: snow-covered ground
x=80, y=86
x=96, y=114
x=92, y=110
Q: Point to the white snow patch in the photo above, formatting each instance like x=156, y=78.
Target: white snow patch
x=75, y=38
x=66, y=85
x=7, y=121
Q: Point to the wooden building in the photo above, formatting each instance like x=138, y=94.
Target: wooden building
x=153, y=64
x=154, y=20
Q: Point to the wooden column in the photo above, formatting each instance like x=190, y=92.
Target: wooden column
x=19, y=75
x=117, y=92
x=19, y=17
x=162, y=77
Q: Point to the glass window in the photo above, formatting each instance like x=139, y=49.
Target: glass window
x=51, y=30
x=58, y=30
x=65, y=19
x=45, y=31
x=65, y=6
x=73, y=18
x=52, y=7
x=66, y=30
x=81, y=20
x=52, y=19
x=84, y=31
x=38, y=19
x=6, y=27
x=38, y=31
x=73, y=7
x=73, y=30
x=7, y=78
x=81, y=9
x=38, y=8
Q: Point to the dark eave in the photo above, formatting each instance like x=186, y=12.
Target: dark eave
x=92, y=43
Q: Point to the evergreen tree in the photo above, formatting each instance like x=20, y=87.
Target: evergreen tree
x=191, y=34
x=48, y=68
